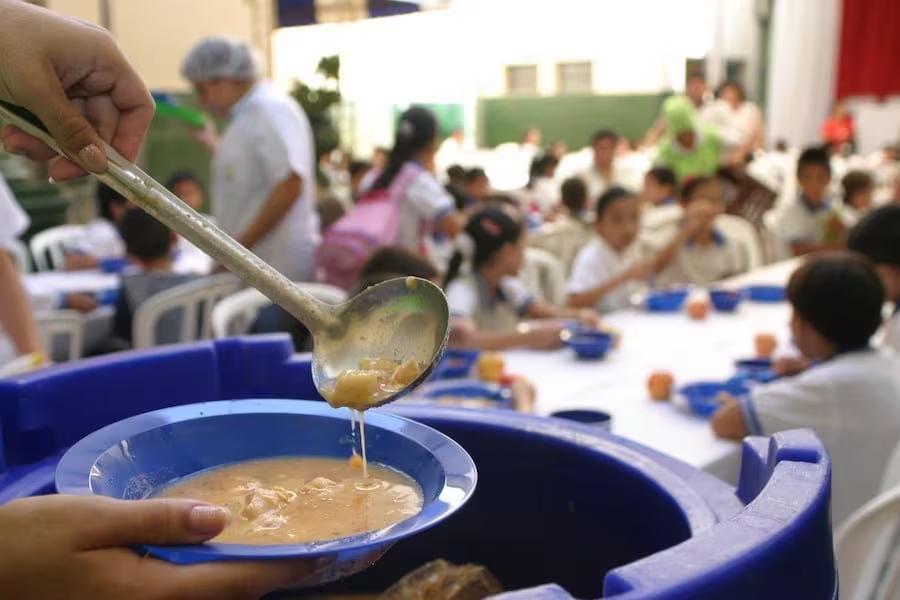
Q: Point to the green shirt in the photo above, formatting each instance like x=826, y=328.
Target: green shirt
x=702, y=160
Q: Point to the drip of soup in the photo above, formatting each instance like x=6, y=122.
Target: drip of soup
x=301, y=500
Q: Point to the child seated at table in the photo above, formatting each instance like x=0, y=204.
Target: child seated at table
x=149, y=246
x=187, y=186
x=850, y=394
x=100, y=239
x=877, y=237
x=488, y=303
x=565, y=236
x=699, y=252
x=859, y=194
x=607, y=271
x=660, y=188
x=810, y=223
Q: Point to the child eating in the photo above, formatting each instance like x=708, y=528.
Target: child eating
x=851, y=394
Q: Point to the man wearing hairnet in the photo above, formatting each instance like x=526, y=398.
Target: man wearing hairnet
x=263, y=184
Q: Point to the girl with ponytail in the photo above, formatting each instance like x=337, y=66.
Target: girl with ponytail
x=489, y=302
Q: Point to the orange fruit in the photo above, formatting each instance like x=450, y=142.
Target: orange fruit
x=490, y=366
x=765, y=345
x=698, y=309
x=660, y=385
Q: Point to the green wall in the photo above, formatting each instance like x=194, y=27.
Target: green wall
x=572, y=119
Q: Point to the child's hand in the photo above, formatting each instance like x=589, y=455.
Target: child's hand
x=80, y=262
x=546, y=336
x=834, y=228
x=728, y=420
x=589, y=318
x=80, y=302
x=640, y=271
x=524, y=394
x=790, y=365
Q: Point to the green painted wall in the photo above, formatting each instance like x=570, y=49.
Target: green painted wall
x=572, y=119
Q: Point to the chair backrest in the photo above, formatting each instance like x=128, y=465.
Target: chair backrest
x=544, y=275
x=234, y=314
x=48, y=246
x=65, y=324
x=19, y=253
x=191, y=301
x=747, y=236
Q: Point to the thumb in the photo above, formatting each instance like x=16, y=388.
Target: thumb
x=127, y=522
x=75, y=135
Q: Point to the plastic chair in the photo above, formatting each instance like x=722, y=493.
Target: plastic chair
x=234, y=314
x=48, y=246
x=193, y=302
x=747, y=236
x=67, y=324
x=19, y=253
x=544, y=275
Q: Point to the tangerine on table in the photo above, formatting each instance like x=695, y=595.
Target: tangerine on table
x=659, y=384
x=765, y=345
x=698, y=309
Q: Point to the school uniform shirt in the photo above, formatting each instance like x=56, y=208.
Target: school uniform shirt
x=424, y=202
x=596, y=264
x=98, y=239
x=468, y=297
x=597, y=184
x=801, y=222
x=13, y=223
x=702, y=264
x=267, y=139
x=563, y=238
x=852, y=402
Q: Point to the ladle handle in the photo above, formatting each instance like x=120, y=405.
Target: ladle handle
x=129, y=180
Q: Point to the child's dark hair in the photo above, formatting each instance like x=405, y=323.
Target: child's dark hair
x=855, y=182
x=474, y=174
x=663, y=176
x=735, y=85
x=489, y=229
x=539, y=166
x=456, y=174
x=841, y=296
x=604, y=134
x=691, y=185
x=814, y=156
x=877, y=236
x=145, y=237
x=358, y=166
x=416, y=129
x=574, y=195
x=394, y=261
x=610, y=197
x=106, y=199
x=183, y=176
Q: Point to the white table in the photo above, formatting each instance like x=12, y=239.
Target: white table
x=690, y=350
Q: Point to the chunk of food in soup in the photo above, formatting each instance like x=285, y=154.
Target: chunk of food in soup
x=373, y=381
x=300, y=500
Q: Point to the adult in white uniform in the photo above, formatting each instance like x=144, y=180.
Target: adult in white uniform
x=263, y=166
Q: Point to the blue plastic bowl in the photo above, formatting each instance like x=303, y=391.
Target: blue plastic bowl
x=465, y=389
x=703, y=397
x=590, y=346
x=725, y=300
x=136, y=457
x=666, y=301
x=766, y=293
x=594, y=418
x=456, y=363
x=756, y=369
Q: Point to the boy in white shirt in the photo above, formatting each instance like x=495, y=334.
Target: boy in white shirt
x=877, y=236
x=851, y=394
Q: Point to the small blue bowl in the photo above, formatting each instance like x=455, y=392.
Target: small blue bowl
x=594, y=418
x=590, y=346
x=666, y=301
x=725, y=300
x=703, y=397
x=456, y=363
x=766, y=293
x=137, y=457
x=758, y=370
x=113, y=265
x=463, y=390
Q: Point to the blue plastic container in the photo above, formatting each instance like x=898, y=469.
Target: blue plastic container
x=456, y=363
x=472, y=390
x=725, y=301
x=756, y=369
x=766, y=293
x=556, y=501
x=137, y=457
x=666, y=301
x=703, y=397
x=594, y=418
x=590, y=346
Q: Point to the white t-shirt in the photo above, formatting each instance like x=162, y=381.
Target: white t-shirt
x=852, y=402
x=545, y=194
x=268, y=139
x=469, y=297
x=596, y=264
x=799, y=223
x=596, y=184
x=13, y=223
x=421, y=204
x=99, y=239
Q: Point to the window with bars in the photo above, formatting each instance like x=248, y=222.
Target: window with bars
x=521, y=79
x=575, y=78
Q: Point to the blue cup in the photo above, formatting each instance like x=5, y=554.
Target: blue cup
x=725, y=300
x=590, y=346
x=666, y=301
x=703, y=397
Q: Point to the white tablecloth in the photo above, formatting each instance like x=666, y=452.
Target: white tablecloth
x=690, y=350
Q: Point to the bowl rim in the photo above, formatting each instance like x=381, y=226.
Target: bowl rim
x=460, y=475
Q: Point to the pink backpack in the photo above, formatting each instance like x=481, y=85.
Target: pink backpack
x=369, y=225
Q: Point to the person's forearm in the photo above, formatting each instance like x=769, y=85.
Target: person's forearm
x=803, y=248
x=490, y=340
x=273, y=211
x=15, y=309
x=589, y=298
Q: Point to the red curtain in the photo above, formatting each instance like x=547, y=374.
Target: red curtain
x=869, y=60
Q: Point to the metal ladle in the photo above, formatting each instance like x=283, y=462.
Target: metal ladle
x=401, y=319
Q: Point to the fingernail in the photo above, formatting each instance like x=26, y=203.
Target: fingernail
x=205, y=519
x=92, y=158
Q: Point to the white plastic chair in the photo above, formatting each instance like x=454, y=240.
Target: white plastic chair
x=866, y=543
x=48, y=246
x=19, y=253
x=745, y=234
x=192, y=301
x=544, y=276
x=235, y=314
x=67, y=324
